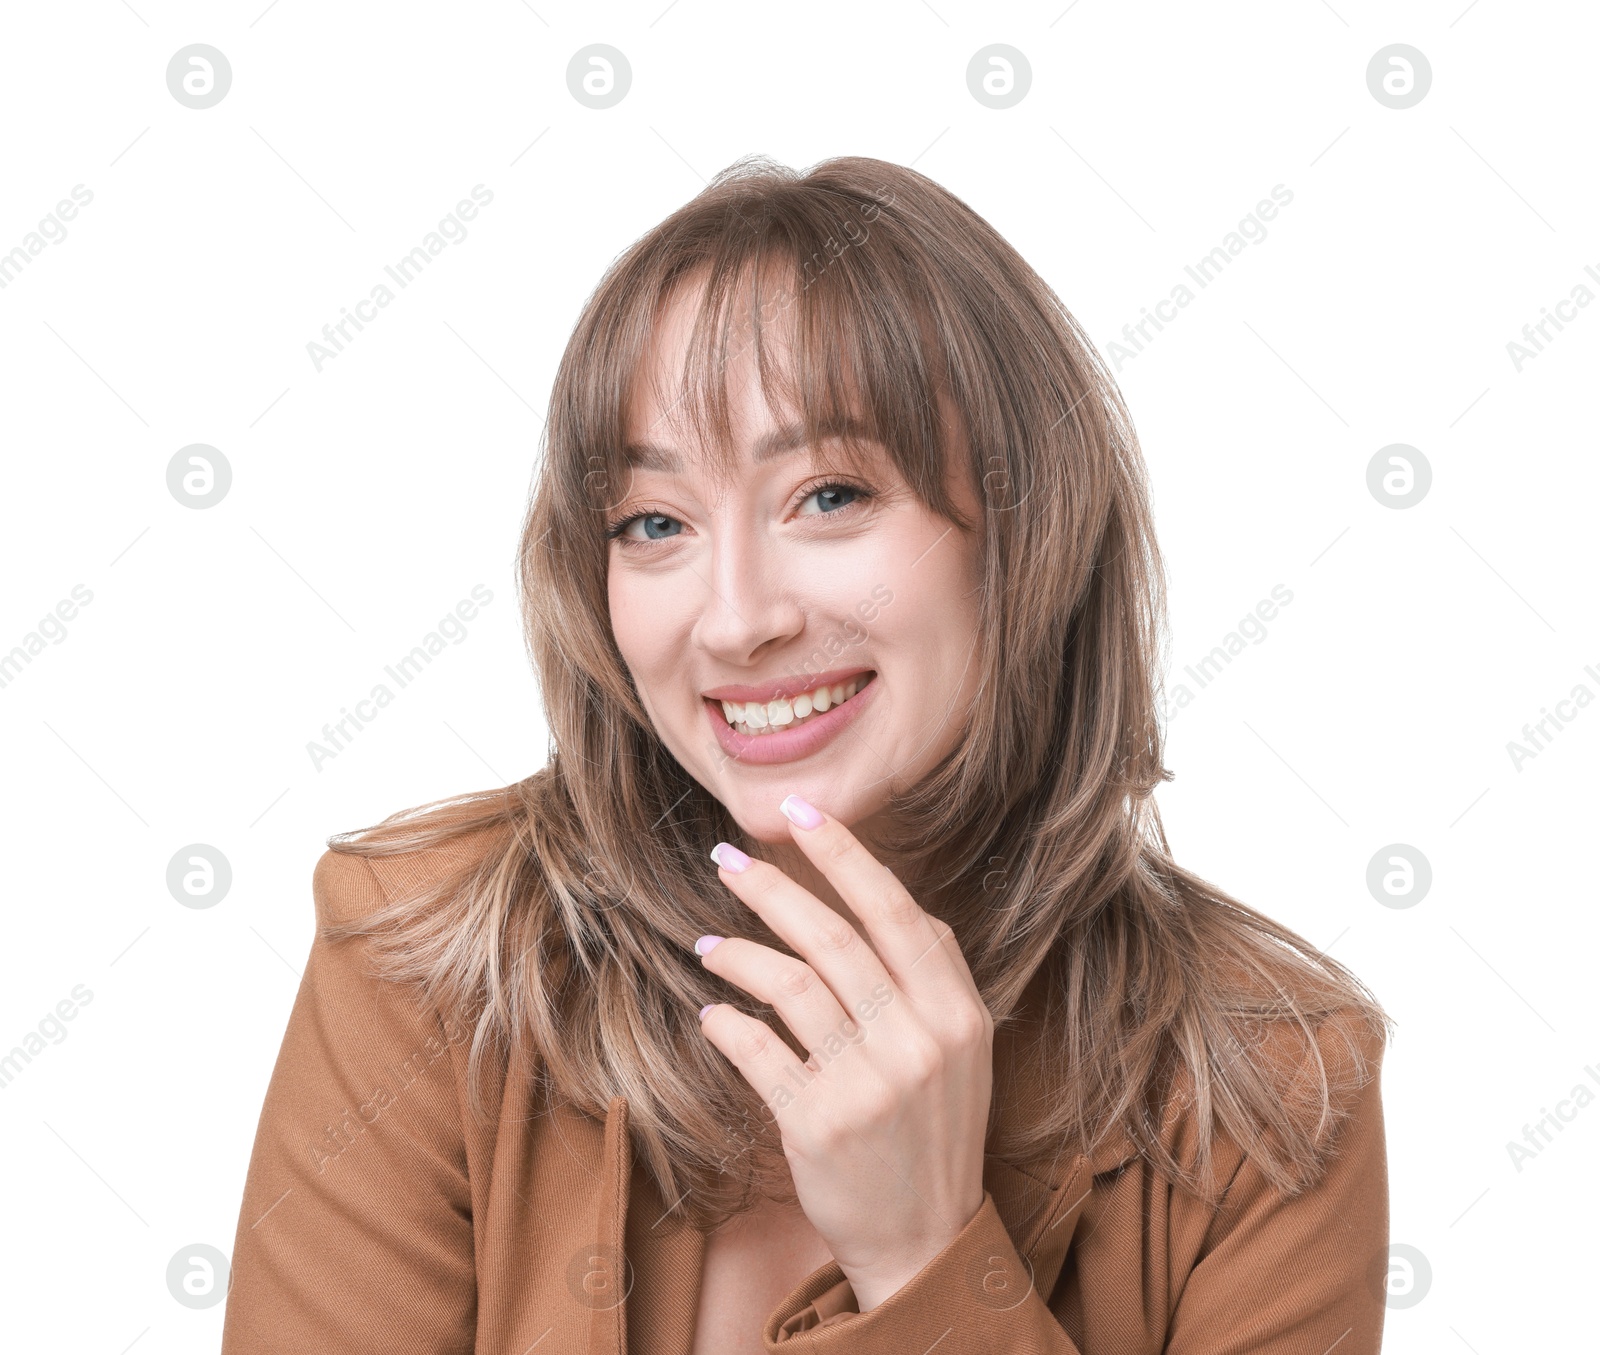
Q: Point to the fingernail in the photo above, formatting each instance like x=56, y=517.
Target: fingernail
x=705, y=943
x=705, y=1009
x=729, y=857
x=800, y=813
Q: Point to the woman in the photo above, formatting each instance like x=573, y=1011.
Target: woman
x=840, y=569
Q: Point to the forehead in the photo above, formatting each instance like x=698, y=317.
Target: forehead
x=719, y=374
x=771, y=445
x=695, y=338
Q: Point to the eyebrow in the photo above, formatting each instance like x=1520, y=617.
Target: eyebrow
x=780, y=442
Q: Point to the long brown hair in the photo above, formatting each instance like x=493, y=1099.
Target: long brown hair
x=1036, y=839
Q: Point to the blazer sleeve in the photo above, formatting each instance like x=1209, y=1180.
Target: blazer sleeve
x=1277, y=1276
x=355, y=1230
x=964, y=1301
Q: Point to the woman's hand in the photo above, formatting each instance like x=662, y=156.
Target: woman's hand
x=884, y=1126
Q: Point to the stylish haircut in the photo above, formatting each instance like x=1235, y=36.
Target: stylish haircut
x=568, y=938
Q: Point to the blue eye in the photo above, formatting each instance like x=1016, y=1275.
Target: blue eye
x=829, y=495
x=832, y=496
x=655, y=525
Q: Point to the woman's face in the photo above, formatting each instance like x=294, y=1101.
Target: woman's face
x=779, y=591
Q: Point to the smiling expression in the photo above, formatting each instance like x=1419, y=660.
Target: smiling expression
x=833, y=617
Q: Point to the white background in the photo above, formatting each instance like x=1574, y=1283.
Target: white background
x=369, y=497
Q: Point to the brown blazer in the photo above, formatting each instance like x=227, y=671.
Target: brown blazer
x=380, y=1216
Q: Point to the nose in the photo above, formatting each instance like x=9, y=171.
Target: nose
x=750, y=602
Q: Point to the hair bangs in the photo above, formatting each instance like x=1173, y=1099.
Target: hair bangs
x=836, y=335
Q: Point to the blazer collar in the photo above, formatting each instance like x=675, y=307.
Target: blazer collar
x=1041, y=1206
x=1041, y=1209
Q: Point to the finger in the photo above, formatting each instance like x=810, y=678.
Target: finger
x=919, y=951
x=754, y=1048
x=791, y=987
x=821, y=938
x=947, y=939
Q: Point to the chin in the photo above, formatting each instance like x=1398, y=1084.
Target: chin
x=771, y=829
x=755, y=807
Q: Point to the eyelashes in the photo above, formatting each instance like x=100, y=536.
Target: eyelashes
x=616, y=528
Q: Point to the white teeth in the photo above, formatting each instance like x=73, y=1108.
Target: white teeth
x=751, y=717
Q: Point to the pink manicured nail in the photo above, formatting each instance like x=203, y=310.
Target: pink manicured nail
x=706, y=943
x=729, y=857
x=705, y=1009
x=800, y=813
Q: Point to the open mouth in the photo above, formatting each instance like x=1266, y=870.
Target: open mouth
x=772, y=717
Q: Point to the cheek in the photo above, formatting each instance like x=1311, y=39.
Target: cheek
x=648, y=621
x=629, y=611
x=934, y=618
x=617, y=602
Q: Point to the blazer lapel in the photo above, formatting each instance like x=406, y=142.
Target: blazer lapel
x=1042, y=1204
x=1040, y=1213
x=608, y=1328
x=1041, y=1207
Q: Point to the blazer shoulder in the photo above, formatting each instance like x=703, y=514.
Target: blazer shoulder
x=1327, y=1084
x=1319, y=1081
x=347, y=886
x=1346, y=1047
x=1296, y=1036
x=344, y=887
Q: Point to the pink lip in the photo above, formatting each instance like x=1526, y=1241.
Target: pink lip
x=783, y=688
x=761, y=750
